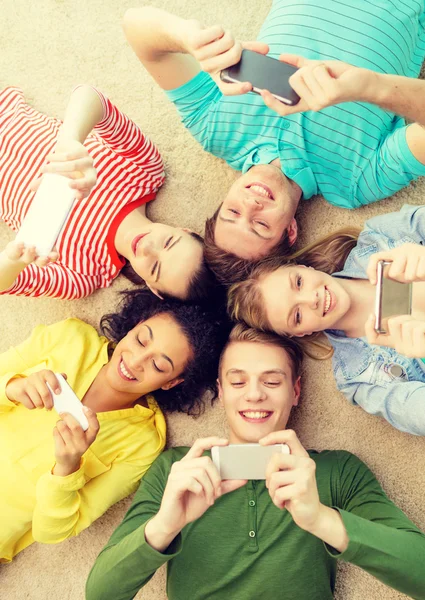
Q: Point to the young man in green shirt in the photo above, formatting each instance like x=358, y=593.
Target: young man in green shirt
x=278, y=538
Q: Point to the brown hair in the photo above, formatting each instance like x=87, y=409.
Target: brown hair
x=242, y=333
x=202, y=286
x=245, y=299
x=226, y=266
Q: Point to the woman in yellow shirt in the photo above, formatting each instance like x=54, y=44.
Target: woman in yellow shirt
x=57, y=479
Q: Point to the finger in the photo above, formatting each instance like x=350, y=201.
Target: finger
x=205, y=463
x=419, y=341
x=235, y=89
x=53, y=256
x=259, y=47
x=35, y=184
x=283, y=495
x=230, y=485
x=64, y=375
x=283, y=462
x=207, y=35
x=300, y=86
x=94, y=426
x=26, y=401
x=282, y=109
x=295, y=60
x=281, y=479
x=65, y=432
x=420, y=273
x=83, y=183
x=42, y=261
x=69, y=166
x=76, y=154
x=397, y=268
x=34, y=396
x=202, y=476
x=29, y=255
x=45, y=395
x=370, y=332
x=288, y=437
x=203, y=444
x=215, y=64
x=14, y=250
x=373, y=265
x=73, y=425
x=58, y=440
x=216, y=47
x=411, y=268
x=317, y=80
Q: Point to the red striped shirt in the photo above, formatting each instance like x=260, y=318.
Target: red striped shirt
x=129, y=170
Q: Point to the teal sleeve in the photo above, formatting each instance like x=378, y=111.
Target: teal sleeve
x=128, y=562
x=382, y=540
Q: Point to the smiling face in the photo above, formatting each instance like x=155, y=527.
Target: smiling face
x=153, y=355
x=166, y=258
x=258, y=209
x=300, y=300
x=256, y=389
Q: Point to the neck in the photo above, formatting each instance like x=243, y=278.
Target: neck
x=362, y=304
x=294, y=190
x=128, y=229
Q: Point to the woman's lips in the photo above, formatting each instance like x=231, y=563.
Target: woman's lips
x=332, y=300
x=136, y=241
x=124, y=373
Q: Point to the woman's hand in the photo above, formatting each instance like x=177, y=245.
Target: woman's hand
x=71, y=159
x=71, y=441
x=405, y=334
x=32, y=391
x=16, y=252
x=407, y=263
x=216, y=49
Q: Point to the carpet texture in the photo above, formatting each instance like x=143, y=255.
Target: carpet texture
x=47, y=47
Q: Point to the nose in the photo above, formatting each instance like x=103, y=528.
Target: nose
x=311, y=299
x=254, y=392
x=253, y=202
x=148, y=248
x=135, y=360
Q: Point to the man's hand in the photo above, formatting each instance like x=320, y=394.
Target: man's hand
x=71, y=441
x=407, y=263
x=216, y=49
x=404, y=333
x=71, y=159
x=193, y=486
x=322, y=83
x=16, y=252
x=32, y=391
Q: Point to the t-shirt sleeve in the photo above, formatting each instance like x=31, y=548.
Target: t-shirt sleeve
x=194, y=101
x=128, y=562
x=382, y=540
x=126, y=139
x=389, y=169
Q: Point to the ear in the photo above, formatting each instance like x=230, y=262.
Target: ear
x=172, y=383
x=154, y=291
x=220, y=391
x=297, y=391
x=292, y=232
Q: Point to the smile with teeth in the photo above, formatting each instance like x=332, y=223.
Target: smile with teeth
x=327, y=302
x=125, y=374
x=261, y=190
x=256, y=415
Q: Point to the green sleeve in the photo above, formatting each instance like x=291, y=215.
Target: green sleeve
x=127, y=562
x=382, y=540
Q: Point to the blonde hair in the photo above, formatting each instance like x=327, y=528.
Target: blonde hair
x=242, y=333
x=245, y=300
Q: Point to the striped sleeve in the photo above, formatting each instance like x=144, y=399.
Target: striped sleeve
x=54, y=281
x=126, y=139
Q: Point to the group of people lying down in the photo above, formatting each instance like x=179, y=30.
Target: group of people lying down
x=231, y=313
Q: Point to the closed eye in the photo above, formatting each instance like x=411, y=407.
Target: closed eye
x=168, y=241
x=262, y=224
x=235, y=212
x=154, y=268
x=237, y=383
x=157, y=368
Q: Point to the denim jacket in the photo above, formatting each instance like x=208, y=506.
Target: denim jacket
x=379, y=379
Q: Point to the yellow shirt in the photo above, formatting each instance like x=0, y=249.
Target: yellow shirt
x=36, y=505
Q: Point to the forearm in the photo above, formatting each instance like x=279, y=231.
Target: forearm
x=9, y=271
x=157, y=537
x=153, y=32
x=83, y=112
x=403, y=96
x=330, y=528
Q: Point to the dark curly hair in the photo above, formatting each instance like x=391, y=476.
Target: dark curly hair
x=206, y=329
x=200, y=287
x=226, y=266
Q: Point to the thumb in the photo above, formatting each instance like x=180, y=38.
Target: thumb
x=64, y=375
x=35, y=184
x=369, y=329
x=294, y=60
x=259, y=47
x=230, y=485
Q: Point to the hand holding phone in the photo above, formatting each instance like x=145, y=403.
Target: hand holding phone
x=244, y=461
x=68, y=402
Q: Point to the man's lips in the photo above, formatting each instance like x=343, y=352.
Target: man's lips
x=257, y=184
x=255, y=416
x=136, y=241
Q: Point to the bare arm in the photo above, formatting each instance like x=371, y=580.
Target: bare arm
x=83, y=112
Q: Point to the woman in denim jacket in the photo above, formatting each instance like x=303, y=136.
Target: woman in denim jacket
x=330, y=287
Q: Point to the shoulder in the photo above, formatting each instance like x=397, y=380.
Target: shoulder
x=337, y=464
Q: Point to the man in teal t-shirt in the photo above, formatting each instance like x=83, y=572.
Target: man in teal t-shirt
x=271, y=539
x=346, y=139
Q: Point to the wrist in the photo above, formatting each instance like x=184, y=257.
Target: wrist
x=375, y=88
x=329, y=527
x=159, y=535
x=65, y=469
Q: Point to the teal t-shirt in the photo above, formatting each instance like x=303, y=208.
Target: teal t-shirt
x=353, y=153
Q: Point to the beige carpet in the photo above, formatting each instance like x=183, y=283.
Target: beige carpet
x=47, y=47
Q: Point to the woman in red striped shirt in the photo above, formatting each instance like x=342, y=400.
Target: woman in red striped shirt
x=115, y=171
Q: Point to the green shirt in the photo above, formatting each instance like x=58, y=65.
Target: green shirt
x=244, y=547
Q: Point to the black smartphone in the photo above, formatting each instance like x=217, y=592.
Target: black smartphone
x=392, y=297
x=265, y=73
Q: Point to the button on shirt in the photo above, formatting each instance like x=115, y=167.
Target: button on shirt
x=353, y=153
x=380, y=380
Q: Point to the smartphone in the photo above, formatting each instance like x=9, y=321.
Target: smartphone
x=244, y=461
x=392, y=297
x=67, y=401
x=47, y=213
x=263, y=72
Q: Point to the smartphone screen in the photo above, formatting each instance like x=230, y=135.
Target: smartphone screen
x=392, y=298
x=264, y=72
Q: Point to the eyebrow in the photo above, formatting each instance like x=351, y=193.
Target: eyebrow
x=151, y=337
x=251, y=229
x=274, y=371
x=158, y=272
x=292, y=287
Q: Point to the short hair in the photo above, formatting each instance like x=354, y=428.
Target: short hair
x=242, y=333
x=200, y=287
x=227, y=266
x=205, y=328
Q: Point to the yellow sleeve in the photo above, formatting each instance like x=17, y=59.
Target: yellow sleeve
x=67, y=505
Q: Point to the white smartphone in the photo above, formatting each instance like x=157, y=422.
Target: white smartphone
x=67, y=401
x=47, y=213
x=244, y=461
